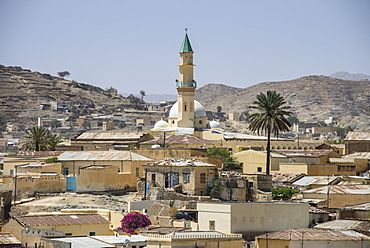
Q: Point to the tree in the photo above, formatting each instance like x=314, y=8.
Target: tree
x=293, y=120
x=63, y=74
x=51, y=141
x=219, y=108
x=283, y=193
x=2, y=124
x=40, y=139
x=134, y=221
x=35, y=139
x=270, y=118
x=142, y=93
x=228, y=161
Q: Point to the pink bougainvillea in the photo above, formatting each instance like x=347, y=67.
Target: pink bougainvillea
x=133, y=221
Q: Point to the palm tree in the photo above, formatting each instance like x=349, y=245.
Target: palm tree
x=51, y=141
x=35, y=139
x=270, y=118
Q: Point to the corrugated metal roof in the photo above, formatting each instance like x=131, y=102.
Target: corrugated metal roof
x=50, y=220
x=317, y=180
x=315, y=234
x=102, y=156
x=109, y=136
x=358, y=135
x=121, y=238
x=341, y=224
x=83, y=242
x=363, y=206
x=181, y=139
x=9, y=239
x=364, y=155
x=303, y=153
x=341, y=160
x=359, y=189
x=280, y=177
x=39, y=153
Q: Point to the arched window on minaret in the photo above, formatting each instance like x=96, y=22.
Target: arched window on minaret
x=185, y=105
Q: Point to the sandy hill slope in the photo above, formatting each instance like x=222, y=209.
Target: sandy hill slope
x=22, y=91
x=312, y=98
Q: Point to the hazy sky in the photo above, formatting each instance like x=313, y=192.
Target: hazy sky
x=134, y=45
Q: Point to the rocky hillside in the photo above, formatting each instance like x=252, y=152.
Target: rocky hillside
x=312, y=98
x=22, y=91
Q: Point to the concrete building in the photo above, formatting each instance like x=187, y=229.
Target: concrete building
x=297, y=238
x=193, y=175
x=251, y=217
x=357, y=141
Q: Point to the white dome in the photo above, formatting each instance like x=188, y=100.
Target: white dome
x=214, y=124
x=199, y=111
x=161, y=124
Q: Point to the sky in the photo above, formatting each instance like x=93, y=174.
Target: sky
x=134, y=45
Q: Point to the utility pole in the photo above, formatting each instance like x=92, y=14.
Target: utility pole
x=145, y=171
x=15, y=184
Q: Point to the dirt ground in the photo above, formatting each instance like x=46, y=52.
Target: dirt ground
x=73, y=201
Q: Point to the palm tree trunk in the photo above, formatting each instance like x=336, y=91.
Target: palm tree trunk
x=268, y=152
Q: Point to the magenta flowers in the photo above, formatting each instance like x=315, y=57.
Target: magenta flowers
x=133, y=221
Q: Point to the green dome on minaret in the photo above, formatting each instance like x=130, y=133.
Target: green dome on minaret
x=186, y=47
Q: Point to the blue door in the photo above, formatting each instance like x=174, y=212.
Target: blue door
x=71, y=183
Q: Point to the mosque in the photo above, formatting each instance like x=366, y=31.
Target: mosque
x=187, y=115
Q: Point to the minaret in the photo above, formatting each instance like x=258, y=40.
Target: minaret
x=186, y=85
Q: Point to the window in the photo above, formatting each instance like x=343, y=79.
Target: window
x=137, y=172
x=11, y=172
x=186, y=177
x=153, y=178
x=119, y=170
x=68, y=234
x=259, y=169
x=202, y=177
x=92, y=234
x=185, y=107
x=200, y=122
x=65, y=171
x=250, y=185
x=211, y=225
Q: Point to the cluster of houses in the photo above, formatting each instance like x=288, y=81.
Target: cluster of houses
x=193, y=199
x=175, y=188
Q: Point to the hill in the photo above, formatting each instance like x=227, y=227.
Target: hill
x=349, y=76
x=22, y=91
x=312, y=98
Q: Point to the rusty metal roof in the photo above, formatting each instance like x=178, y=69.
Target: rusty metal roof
x=280, y=177
x=358, y=135
x=109, y=136
x=303, y=153
x=181, y=139
x=315, y=234
x=39, y=153
x=179, y=162
x=9, y=239
x=50, y=220
x=355, y=189
x=102, y=156
x=363, y=206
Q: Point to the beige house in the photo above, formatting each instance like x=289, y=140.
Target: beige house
x=26, y=157
x=357, y=141
x=340, y=195
x=251, y=217
x=103, y=170
x=69, y=225
x=195, y=239
x=297, y=238
x=34, y=178
x=309, y=162
x=193, y=175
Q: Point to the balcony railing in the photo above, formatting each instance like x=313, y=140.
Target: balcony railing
x=186, y=84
